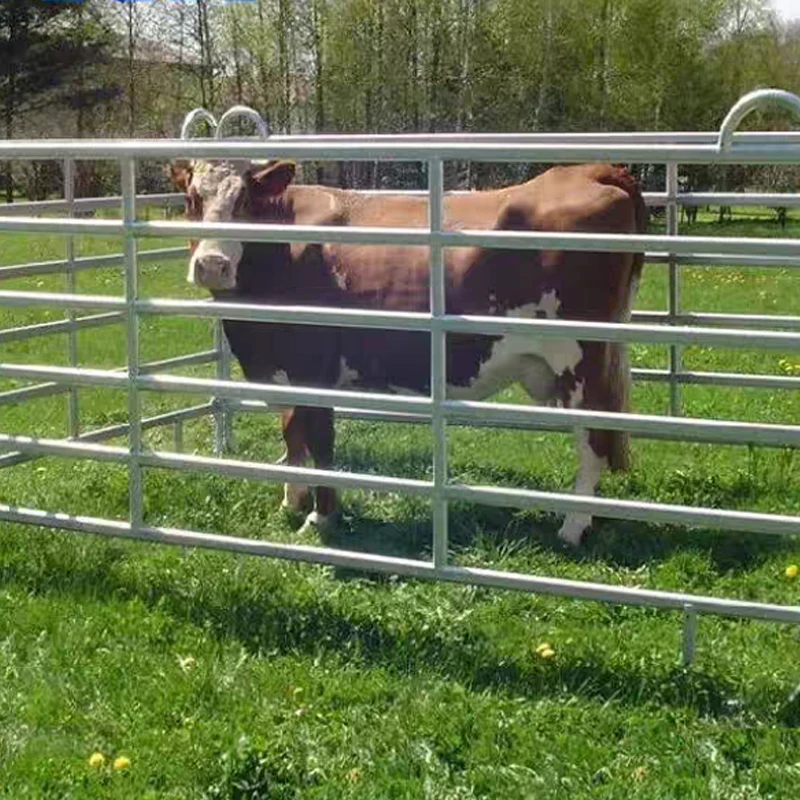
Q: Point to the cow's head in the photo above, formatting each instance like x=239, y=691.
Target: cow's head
x=226, y=191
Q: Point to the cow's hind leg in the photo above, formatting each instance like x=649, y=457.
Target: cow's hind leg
x=321, y=435
x=296, y=496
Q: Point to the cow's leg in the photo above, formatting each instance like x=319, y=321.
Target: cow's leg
x=601, y=382
x=296, y=496
x=321, y=435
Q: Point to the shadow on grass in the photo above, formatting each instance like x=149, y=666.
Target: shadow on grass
x=268, y=615
x=617, y=543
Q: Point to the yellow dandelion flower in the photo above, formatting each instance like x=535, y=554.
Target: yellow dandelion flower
x=96, y=760
x=547, y=653
x=187, y=662
x=543, y=646
x=792, y=571
x=122, y=762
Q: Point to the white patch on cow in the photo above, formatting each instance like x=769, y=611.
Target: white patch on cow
x=628, y=305
x=317, y=523
x=589, y=471
x=219, y=183
x=511, y=356
x=576, y=395
x=280, y=377
x=293, y=495
x=347, y=376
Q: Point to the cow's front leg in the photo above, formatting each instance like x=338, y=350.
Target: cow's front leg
x=601, y=382
x=296, y=496
x=591, y=466
x=320, y=443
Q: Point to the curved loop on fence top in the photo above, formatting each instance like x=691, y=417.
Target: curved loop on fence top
x=248, y=113
x=749, y=103
x=193, y=117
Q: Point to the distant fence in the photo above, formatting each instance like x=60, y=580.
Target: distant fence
x=674, y=327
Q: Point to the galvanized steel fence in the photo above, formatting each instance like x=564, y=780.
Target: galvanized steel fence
x=674, y=328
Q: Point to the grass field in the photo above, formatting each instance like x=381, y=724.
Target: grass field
x=221, y=676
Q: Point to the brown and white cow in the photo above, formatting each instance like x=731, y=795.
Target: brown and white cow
x=551, y=283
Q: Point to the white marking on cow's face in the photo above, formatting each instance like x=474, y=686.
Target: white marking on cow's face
x=591, y=467
x=219, y=184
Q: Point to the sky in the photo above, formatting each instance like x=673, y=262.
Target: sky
x=788, y=9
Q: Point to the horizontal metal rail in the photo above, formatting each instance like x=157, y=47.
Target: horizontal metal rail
x=110, y=432
x=514, y=240
x=748, y=521
x=61, y=326
x=760, y=321
x=11, y=396
x=557, y=329
x=400, y=566
x=86, y=262
x=727, y=432
x=739, y=380
x=176, y=200
x=776, y=150
x=80, y=204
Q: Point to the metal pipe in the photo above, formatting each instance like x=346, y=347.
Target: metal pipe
x=673, y=289
x=62, y=326
x=73, y=413
x=745, y=521
x=778, y=150
x=438, y=365
x=88, y=203
x=87, y=262
x=128, y=171
x=400, y=566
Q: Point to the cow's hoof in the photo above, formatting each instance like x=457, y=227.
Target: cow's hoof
x=317, y=523
x=574, y=528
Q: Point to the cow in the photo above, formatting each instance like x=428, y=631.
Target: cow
x=554, y=284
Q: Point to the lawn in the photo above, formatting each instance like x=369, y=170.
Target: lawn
x=222, y=676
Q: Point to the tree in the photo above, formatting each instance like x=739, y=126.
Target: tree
x=41, y=45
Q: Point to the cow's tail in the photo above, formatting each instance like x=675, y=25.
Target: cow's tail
x=619, y=374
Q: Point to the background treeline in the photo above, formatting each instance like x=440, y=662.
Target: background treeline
x=108, y=68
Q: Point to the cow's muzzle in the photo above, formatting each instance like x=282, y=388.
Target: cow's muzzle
x=214, y=271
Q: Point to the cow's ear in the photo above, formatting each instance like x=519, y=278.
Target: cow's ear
x=180, y=173
x=273, y=179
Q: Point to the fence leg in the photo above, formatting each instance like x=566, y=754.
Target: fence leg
x=178, y=436
x=223, y=414
x=128, y=169
x=73, y=415
x=673, y=299
x=689, y=635
x=438, y=366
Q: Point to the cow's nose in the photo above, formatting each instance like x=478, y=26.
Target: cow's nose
x=213, y=270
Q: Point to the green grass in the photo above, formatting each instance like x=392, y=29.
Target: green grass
x=223, y=676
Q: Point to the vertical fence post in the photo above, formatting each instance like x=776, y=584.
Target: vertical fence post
x=438, y=363
x=73, y=418
x=689, y=634
x=674, y=296
x=128, y=170
x=223, y=416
